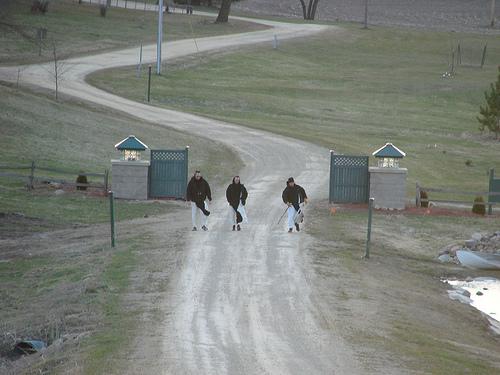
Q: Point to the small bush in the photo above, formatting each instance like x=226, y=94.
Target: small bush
x=41, y=6
x=103, y=10
x=424, y=199
x=468, y=162
x=81, y=179
x=479, y=207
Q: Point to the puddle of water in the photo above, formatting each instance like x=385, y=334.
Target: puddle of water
x=487, y=301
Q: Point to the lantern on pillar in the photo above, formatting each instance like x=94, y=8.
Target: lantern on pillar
x=131, y=148
x=388, y=156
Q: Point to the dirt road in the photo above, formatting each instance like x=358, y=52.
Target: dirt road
x=242, y=302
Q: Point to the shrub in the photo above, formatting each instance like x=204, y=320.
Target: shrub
x=41, y=6
x=424, y=199
x=81, y=179
x=479, y=207
x=103, y=10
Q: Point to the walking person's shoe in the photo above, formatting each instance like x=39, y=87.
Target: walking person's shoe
x=234, y=228
x=204, y=228
x=194, y=229
x=238, y=227
x=290, y=230
x=297, y=227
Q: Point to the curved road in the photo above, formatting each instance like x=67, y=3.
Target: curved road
x=242, y=303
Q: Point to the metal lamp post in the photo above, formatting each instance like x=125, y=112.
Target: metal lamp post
x=160, y=36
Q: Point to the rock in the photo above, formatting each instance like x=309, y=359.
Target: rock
x=55, y=185
x=465, y=293
x=454, y=249
x=444, y=258
x=450, y=249
x=59, y=192
x=471, y=244
x=476, y=236
x=479, y=293
x=455, y=295
x=469, y=279
x=485, y=288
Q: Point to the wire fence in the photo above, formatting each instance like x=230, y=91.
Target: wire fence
x=30, y=174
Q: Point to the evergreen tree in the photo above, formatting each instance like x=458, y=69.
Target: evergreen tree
x=490, y=113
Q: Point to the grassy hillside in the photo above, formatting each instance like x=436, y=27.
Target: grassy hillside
x=79, y=29
x=351, y=91
x=75, y=136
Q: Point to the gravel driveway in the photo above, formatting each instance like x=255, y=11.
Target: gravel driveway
x=242, y=302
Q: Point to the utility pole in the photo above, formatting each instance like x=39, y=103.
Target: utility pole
x=159, y=38
x=492, y=23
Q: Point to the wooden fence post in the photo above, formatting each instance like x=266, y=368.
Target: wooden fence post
x=417, y=196
x=32, y=176
x=483, y=57
x=106, y=180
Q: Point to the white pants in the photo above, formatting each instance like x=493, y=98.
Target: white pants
x=291, y=216
x=195, y=211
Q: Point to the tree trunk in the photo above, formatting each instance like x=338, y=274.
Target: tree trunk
x=56, y=73
x=223, y=16
x=492, y=22
x=304, y=11
x=314, y=8
x=309, y=10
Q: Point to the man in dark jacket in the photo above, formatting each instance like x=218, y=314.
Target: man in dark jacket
x=294, y=196
x=236, y=195
x=197, y=192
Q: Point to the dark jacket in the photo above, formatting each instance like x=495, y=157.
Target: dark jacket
x=235, y=193
x=295, y=195
x=198, y=190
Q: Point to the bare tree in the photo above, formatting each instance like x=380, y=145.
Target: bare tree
x=309, y=10
x=223, y=16
x=60, y=68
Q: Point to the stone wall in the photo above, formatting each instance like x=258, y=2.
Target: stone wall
x=388, y=187
x=129, y=179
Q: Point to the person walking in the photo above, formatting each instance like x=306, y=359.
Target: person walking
x=198, y=191
x=236, y=195
x=294, y=196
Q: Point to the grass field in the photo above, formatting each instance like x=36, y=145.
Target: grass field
x=394, y=304
x=351, y=91
x=76, y=136
x=79, y=29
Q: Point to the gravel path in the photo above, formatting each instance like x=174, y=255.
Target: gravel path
x=456, y=15
x=242, y=302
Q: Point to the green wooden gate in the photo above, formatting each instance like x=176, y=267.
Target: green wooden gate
x=349, y=179
x=168, y=174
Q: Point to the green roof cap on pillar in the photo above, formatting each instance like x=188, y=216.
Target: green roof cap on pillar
x=131, y=143
x=389, y=151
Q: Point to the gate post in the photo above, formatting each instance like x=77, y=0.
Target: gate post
x=369, y=230
x=187, y=171
x=490, y=190
x=330, y=190
x=112, y=217
x=418, y=202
